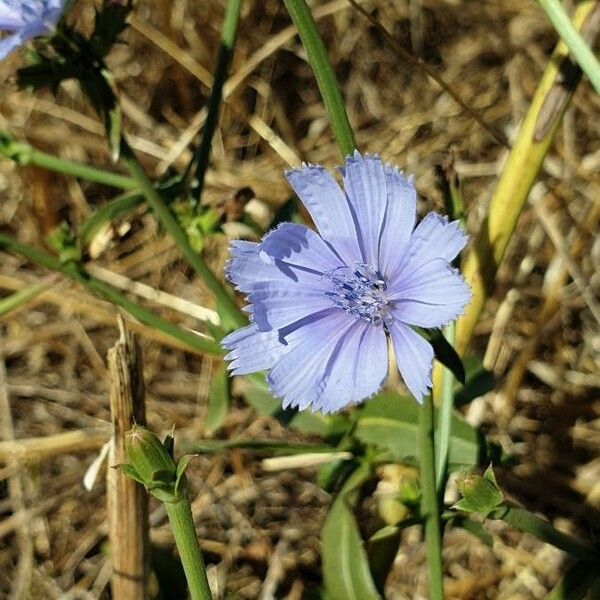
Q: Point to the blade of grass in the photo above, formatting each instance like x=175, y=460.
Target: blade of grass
x=324, y=74
x=580, y=51
x=455, y=210
x=520, y=172
x=202, y=154
x=18, y=299
x=24, y=154
x=107, y=292
x=233, y=317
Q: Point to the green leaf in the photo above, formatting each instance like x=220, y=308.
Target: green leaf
x=345, y=565
x=382, y=548
x=130, y=471
x=478, y=381
x=182, y=465
x=218, y=399
x=390, y=421
x=444, y=351
x=480, y=494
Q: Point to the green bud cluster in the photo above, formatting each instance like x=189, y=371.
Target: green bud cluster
x=480, y=494
x=151, y=463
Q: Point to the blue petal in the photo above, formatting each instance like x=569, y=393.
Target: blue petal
x=252, y=351
x=359, y=369
x=273, y=305
x=329, y=209
x=9, y=44
x=399, y=219
x=431, y=296
x=338, y=361
x=290, y=254
x=10, y=19
x=366, y=189
x=298, y=248
x=414, y=357
x=434, y=237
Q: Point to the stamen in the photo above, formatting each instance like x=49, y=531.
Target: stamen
x=360, y=292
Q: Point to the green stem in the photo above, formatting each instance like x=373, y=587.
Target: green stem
x=225, y=302
x=17, y=299
x=184, y=531
x=202, y=155
x=24, y=154
x=107, y=292
x=581, y=52
x=527, y=522
x=429, y=501
x=324, y=74
x=444, y=426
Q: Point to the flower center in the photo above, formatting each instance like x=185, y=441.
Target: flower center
x=359, y=291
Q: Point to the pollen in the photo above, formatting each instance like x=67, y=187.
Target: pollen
x=360, y=291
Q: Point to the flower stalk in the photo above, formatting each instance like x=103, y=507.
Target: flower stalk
x=324, y=74
x=429, y=499
x=231, y=314
x=151, y=464
x=202, y=155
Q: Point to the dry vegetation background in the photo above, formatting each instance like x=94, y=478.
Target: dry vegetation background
x=260, y=530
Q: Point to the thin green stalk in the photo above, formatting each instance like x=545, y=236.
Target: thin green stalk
x=444, y=425
x=429, y=501
x=107, y=292
x=184, y=531
x=202, y=154
x=455, y=209
x=324, y=74
x=581, y=52
x=24, y=154
x=17, y=299
x=527, y=522
x=225, y=303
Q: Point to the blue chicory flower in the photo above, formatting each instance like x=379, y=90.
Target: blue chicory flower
x=26, y=19
x=322, y=304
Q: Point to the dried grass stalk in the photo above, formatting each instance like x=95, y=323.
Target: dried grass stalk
x=127, y=501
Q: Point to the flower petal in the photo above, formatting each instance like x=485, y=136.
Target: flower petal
x=274, y=305
x=300, y=376
x=366, y=190
x=431, y=296
x=290, y=254
x=298, y=248
x=329, y=209
x=359, y=369
x=414, y=356
x=434, y=237
x=252, y=350
x=9, y=44
x=399, y=219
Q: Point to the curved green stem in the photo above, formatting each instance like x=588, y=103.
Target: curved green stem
x=324, y=74
x=202, y=155
x=107, y=292
x=24, y=154
x=225, y=302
